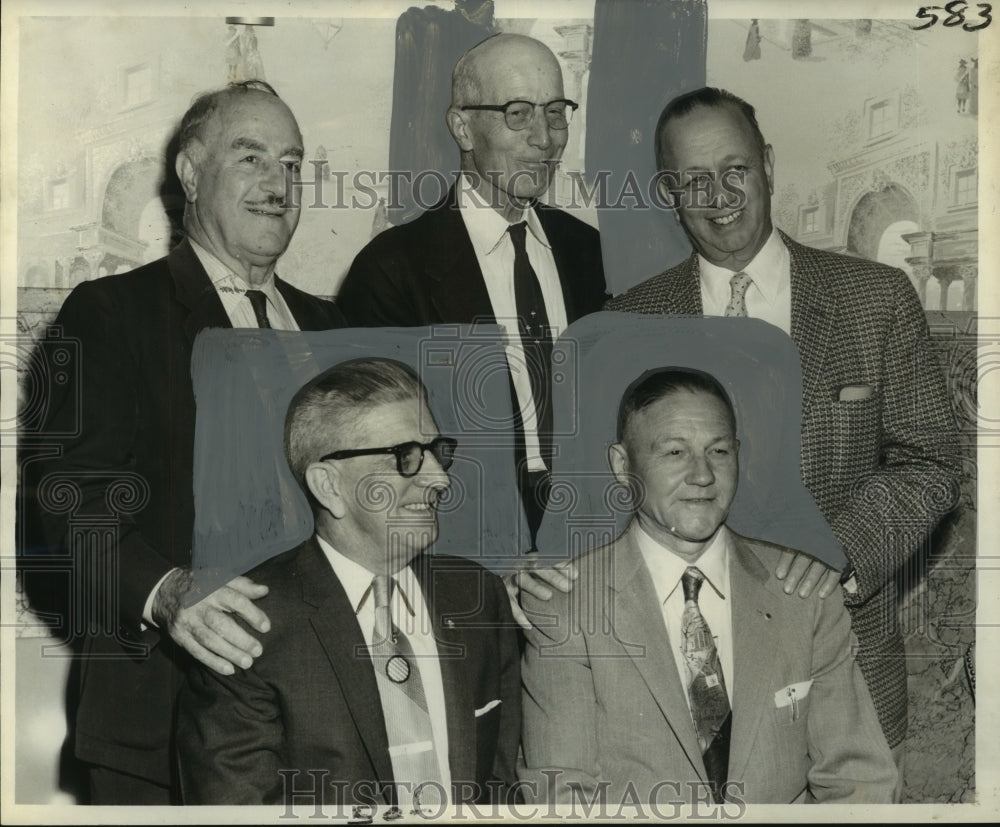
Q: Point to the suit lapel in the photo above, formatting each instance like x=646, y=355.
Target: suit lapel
x=814, y=312
x=636, y=612
x=337, y=628
x=454, y=658
x=682, y=291
x=458, y=289
x=307, y=315
x=194, y=291
x=755, y=650
x=564, y=256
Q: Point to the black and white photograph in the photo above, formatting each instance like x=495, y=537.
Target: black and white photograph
x=384, y=379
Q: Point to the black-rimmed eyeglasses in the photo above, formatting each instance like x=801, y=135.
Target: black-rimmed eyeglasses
x=518, y=114
x=409, y=455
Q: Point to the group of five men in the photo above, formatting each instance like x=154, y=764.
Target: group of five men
x=394, y=676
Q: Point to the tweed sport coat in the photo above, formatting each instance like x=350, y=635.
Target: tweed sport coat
x=883, y=469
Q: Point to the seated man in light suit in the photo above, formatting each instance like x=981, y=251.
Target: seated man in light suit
x=698, y=676
x=393, y=672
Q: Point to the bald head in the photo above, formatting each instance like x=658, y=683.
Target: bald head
x=510, y=163
x=490, y=60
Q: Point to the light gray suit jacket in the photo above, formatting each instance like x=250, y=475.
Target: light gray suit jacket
x=603, y=702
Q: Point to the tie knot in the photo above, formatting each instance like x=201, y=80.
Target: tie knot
x=740, y=281
x=691, y=582
x=517, y=233
x=381, y=590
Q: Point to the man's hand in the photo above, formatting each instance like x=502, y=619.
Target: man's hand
x=536, y=582
x=206, y=629
x=805, y=572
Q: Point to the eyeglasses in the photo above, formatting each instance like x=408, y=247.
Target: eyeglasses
x=409, y=455
x=518, y=114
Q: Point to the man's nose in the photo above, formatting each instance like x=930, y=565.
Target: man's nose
x=275, y=177
x=539, y=132
x=700, y=472
x=431, y=474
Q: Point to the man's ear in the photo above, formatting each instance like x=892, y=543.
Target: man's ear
x=325, y=485
x=769, y=167
x=618, y=460
x=458, y=126
x=187, y=172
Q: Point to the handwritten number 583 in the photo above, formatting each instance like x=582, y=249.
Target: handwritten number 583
x=955, y=16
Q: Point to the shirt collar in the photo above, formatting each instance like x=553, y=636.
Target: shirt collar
x=486, y=227
x=357, y=580
x=666, y=568
x=769, y=270
x=221, y=275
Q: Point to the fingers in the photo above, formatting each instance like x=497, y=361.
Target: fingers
x=239, y=603
x=784, y=564
x=813, y=574
x=210, y=633
x=246, y=587
x=795, y=572
x=559, y=577
x=513, y=594
x=528, y=582
x=829, y=583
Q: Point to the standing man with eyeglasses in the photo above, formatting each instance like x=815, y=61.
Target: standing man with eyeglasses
x=389, y=676
x=490, y=251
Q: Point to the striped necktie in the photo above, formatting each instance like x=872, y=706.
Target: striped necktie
x=407, y=722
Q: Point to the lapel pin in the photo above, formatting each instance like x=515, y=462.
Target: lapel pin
x=449, y=623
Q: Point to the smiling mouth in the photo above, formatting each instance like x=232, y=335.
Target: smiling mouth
x=271, y=212
x=726, y=220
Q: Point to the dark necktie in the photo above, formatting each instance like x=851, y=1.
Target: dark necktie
x=706, y=685
x=404, y=705
x=536, y=338
x=258, y=301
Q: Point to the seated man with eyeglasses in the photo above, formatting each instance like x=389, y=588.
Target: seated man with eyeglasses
x=389, y=676
x=489, y=251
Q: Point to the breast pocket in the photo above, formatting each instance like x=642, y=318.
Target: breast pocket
x=791, y=704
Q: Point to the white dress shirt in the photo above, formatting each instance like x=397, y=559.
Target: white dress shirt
x=232, y=290
x=769, y=296
x=487, y=230
x=411, y=616
x=714, y=599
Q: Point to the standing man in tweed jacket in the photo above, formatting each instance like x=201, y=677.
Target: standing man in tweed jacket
x=879, y=453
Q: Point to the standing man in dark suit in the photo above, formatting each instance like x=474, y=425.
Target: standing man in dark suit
x=133, y=444
x=879, y=453
x=393, y=672
x=489, y=251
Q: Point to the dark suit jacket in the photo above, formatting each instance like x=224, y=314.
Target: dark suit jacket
x=130, y=411
x=426, y=272
x=310, y=703
x=883, y=469
x=603, y=701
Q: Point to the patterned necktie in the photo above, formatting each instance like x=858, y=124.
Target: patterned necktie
x=706, y=684
x=258, y=301
x=401, y=691
x=739, y=283
x=536, y=338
